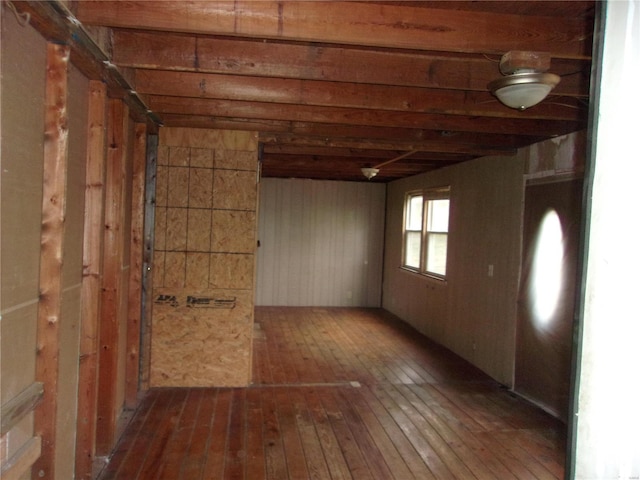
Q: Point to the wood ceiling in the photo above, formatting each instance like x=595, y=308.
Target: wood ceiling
x=335, y=86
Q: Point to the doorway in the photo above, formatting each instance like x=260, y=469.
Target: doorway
x=551, y=233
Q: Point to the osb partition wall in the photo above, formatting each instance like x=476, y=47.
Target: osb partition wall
x=205, y=241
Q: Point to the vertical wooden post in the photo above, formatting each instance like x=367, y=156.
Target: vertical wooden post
x=117, y=136
x=147, y=266
x=135, y=265
x=56, y=137
x=91, y=281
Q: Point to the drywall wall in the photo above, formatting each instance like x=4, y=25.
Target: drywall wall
x=204, y=256
x=321, y=243
x=473, y=312
x=23, y=80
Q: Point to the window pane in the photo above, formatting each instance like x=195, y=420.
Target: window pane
x=437, y=253
x=414, y=215
x=438, y=220
x=412, y=249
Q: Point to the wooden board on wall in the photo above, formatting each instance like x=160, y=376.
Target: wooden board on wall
x=134, y=320
x=112, y=285
x=52, y=251
x=92, y=281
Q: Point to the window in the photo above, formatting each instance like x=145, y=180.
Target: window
x=426, y=230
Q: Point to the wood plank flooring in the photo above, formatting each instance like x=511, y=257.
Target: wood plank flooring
x=341, y=394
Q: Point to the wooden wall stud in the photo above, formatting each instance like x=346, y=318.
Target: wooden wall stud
x=56, y=138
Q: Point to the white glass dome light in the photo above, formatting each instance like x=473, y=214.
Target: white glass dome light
x=523, y=89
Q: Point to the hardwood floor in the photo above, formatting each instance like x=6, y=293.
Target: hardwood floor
x=341, y=394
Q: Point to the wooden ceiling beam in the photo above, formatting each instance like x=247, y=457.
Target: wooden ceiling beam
x=237, y=56
x=391, y=147
x=352, y=116
x=326, y=130
x=360, y=23
x=339, y=94
x=282, y=150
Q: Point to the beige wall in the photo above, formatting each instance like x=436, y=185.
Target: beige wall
x=472, y=313
x=205, y=240
x=23, y=80
x=23, y=86
x=321, y=243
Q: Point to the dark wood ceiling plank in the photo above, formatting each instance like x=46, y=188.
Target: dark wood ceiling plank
x=390, y=147
x=327, y=130
x=372, y=24
x=280, y=150
x=332, y=63
x=351, y=116
x=339, y=94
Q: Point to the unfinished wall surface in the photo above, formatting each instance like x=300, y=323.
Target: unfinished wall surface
x=23, y=80
x=23, y=128
x=321, y=243
x=72, y=277
x=472, y=313
x=204, y=255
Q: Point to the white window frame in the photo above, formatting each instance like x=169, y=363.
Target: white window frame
x=426, y=233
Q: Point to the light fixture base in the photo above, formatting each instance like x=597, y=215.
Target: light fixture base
x=369, y=172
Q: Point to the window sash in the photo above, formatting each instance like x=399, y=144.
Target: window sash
x=426, y=232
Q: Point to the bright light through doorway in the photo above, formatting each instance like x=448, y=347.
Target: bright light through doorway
x=547, y=269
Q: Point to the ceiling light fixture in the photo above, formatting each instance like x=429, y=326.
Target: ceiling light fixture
x=526, y=82
x=369, y=172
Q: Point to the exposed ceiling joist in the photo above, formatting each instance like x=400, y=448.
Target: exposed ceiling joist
x=331, y=87
x=351, y=23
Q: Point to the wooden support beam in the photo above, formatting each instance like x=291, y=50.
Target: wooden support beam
x=354, y=133
x=353, y=116
x=110, y=311
x=236, y=56
x=343, y=94
x=91, y=281
x=425, y=146
x=134, y=320
x=56, y=139
x=271, y=150
x=147, y=266
x=372, y=24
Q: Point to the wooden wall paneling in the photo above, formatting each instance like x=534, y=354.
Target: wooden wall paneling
x=148, y=266
x=320, y=243
x=473, y=313
x=51, y=255
x=117, y=135
x=91, y=281
x=134, y=317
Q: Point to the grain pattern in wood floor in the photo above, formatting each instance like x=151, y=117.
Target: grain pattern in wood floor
x=341, y=394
